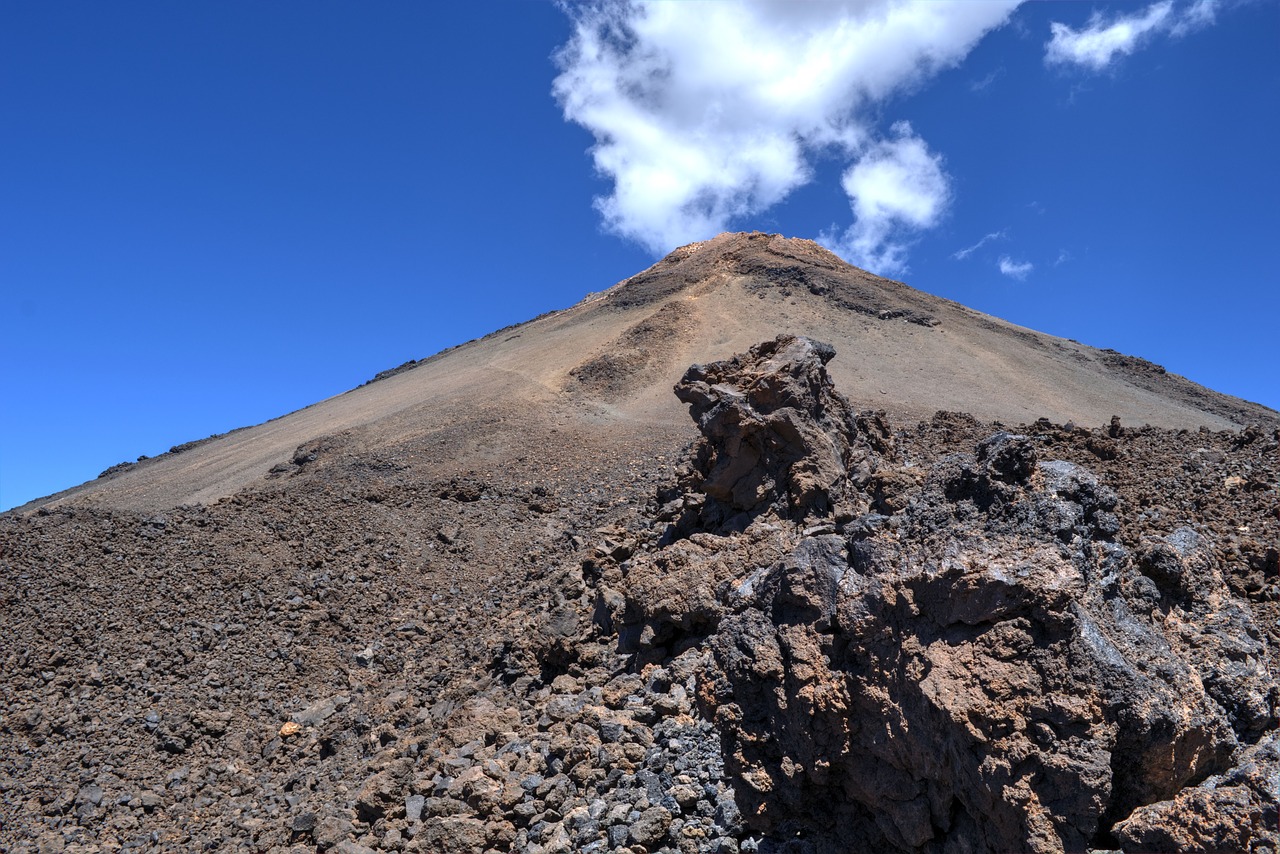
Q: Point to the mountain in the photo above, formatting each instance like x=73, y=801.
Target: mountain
x=752, y=551
x=607, y=365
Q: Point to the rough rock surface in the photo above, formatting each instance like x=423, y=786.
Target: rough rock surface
x=774, y=439
x=813, y=633
x=955, y=657
x=975, y=664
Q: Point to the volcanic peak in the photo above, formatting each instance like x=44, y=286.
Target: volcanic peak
x=772, y=262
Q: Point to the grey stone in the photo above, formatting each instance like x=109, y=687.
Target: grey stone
x=320, y=711
x=651, y=827
x=348, y=847
x=727, y=814
x=413, y=807
x=330, y=831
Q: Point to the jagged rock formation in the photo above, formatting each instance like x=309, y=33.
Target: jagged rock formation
x=774, y=438
x=952, y=657
x=977, y=665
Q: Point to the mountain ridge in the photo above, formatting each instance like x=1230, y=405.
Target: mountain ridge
x=901, y=349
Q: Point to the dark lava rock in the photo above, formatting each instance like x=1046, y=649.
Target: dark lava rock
x=988, y=674
x=776, y=436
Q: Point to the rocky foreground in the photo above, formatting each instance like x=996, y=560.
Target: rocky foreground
x=815, y=632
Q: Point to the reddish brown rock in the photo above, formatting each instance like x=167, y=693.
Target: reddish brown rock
x=980, y=666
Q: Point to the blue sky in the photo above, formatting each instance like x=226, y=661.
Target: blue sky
x=213, y=214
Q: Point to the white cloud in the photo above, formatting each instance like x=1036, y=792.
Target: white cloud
x=961, y=254
x=1103, y=41
x=706, y=113
x=1100, y=42
x=1015, y=269
x=897, y=186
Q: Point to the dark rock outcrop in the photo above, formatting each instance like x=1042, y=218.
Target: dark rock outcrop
x=978, y=665
x=777, y=438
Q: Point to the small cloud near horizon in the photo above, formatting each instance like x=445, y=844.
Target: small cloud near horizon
x=962, y=254
x=1015, y=269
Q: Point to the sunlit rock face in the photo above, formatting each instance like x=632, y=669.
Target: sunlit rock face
x=953, y=658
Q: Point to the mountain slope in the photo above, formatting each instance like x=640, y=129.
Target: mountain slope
x=497, y=601
x=608, y=363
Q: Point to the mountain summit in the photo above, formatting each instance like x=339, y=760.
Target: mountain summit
x=607, y=365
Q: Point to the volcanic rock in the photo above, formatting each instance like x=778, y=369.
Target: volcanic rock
x=501, y=609
x=775, y=436
x=989, y=670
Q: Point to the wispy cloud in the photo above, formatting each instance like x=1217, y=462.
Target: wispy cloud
x=707, y=113
x=982, y=83
x=962, y=254
x=1015, y=269
x=1102, y=41
x=1201, y=14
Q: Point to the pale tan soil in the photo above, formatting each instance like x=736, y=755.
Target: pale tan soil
x=705, y=302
